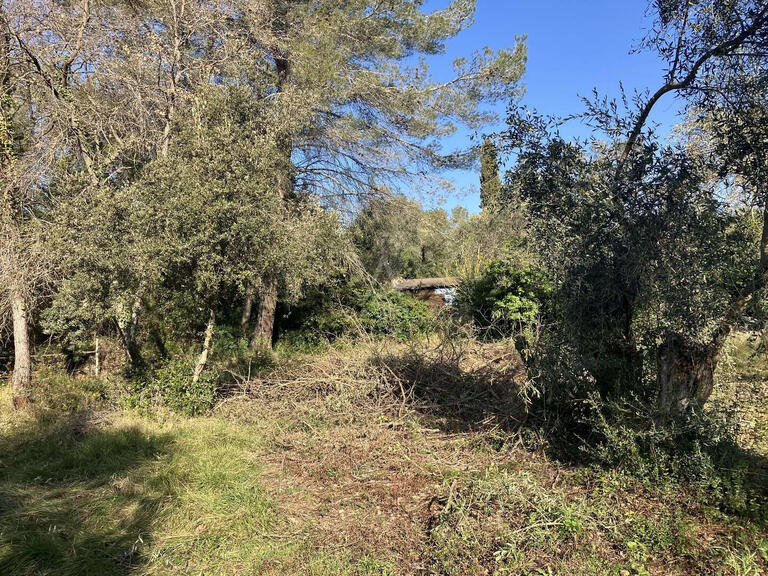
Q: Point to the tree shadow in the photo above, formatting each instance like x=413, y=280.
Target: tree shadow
x=484, y=390
x=461, y=390
x=76, y=498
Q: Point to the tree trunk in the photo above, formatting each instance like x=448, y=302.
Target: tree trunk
x=686, y=372
x=245, y=319
x=22, y=368
x=265, y=319
x=97, y=359
x=129, y=329
x=686, y=369
x=207, y=341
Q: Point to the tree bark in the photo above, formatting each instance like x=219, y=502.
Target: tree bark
x=129, y=329
x=174, y=77
x=686, y=369
x=207, y=342
x=21, y=386
x=97, y=359
x=686, y=373
x=245, y=319
x=265, y=318
x=10, y=213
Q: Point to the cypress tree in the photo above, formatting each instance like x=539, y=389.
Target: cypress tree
x=490, y=182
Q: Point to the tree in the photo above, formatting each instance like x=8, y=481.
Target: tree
x=714, y=51
x=44, y=49
x=397, y=238
x=490, y=183
x=204, y=218
x=12, y=148
x=654, y=252
x=651, y=257
x=352, y=115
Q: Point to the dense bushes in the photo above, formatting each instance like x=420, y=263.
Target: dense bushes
x=359, y=311
x=506, y=299
x=174, y=384
x=165, y=377
x=694, y=447
x=394, y=314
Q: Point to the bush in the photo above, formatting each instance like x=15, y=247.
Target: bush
x=324, y=324
x=232, y=358
x=171, y=385
x=507, y=299
x=180, y=393
x=356, y=311
x=698, y=449
x=395, y=314
x=56, y=390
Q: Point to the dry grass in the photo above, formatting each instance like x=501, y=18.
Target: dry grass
x=412, y=459
x=379, y=459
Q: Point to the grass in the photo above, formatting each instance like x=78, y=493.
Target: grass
x=322, y=469
x=110, y=495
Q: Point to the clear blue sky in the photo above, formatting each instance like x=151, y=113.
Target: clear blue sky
x=573, y=47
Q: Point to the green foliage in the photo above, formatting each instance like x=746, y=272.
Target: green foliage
x=698, y=449
x=507, y=299
x=394, y=314
x=397, y=237
x=321, y=325
x=356, y=311
x=171, y=384
x=490, y=182
x=174, y=383
x=63, y=393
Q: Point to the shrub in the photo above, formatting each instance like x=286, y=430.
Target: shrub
x=56, y=390
x=171, y=385
x=356, y=311
x=698, y=449
x=506, y=299
x=395, y=314
x=180, y=393
x=324, y=324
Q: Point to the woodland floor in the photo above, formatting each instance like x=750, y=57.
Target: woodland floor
x=337, y=464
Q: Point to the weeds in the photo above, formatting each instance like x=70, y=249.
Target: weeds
x=378, y=459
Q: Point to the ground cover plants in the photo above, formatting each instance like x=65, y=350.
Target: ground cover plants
x=378, y=458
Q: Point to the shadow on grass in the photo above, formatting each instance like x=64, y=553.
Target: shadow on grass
x=697, y=450
x=76, y=499
x=462, y=393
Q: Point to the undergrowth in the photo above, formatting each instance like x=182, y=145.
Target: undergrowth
x=373, y=459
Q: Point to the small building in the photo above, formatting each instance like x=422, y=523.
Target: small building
x=436, y=292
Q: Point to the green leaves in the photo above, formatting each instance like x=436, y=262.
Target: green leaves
x=508, y=298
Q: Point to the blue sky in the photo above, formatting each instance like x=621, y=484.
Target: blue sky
x=573, y=47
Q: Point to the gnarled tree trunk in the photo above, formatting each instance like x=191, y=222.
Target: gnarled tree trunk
x=133, y=325
x=129, y=328
x=245, y=319
x=686, y=369
x=686, y=373
x=265, y=318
